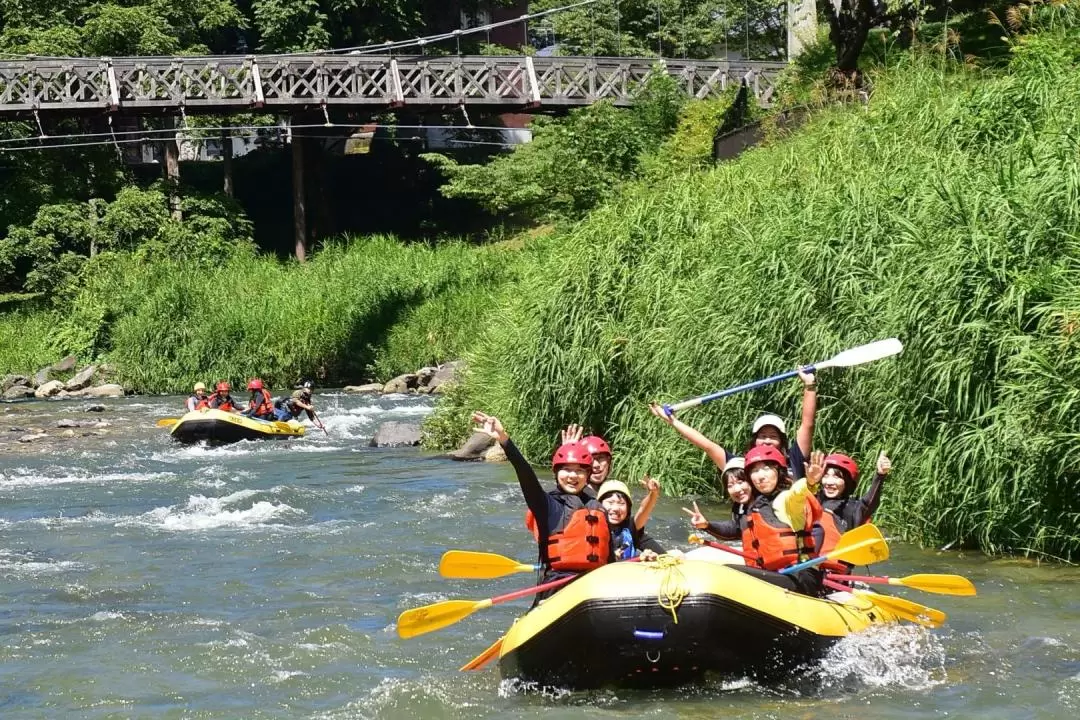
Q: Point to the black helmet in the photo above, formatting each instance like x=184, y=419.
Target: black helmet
x=307, y=384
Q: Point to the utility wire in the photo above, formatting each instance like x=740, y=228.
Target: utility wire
x=357, y=49
x=271, y=128
x=197, y=128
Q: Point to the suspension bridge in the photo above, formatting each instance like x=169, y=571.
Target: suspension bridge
x=287, y=84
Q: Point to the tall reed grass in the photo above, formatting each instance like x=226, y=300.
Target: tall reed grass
x=367, y=308
x=946, y=213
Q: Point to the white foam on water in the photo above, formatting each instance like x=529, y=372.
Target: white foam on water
x=105, y=615
x=893, y=655
x=412, y=694
x=514, y=686
x=203, y=513
x=21, y=477
x=282, y=675
x=18, y=565
x=443, y=505
x=355, y=489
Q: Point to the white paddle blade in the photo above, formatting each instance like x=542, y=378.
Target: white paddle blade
x=864, y=354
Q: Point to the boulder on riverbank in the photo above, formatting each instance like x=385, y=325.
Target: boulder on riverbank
x=427, y=380
x=474, y=448
x=59, y=381
x=396, y=434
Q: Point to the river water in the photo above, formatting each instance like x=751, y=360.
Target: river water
x=140, y=578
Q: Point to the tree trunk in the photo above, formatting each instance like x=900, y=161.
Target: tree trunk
x=172, y=172
x=227, y=161
x=299, y=211
x=850, y=22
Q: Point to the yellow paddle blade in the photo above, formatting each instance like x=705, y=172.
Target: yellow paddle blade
x=484, y=658
x=906, y=609
x=941, y=584
x=167, y=422
x=479, y=565
x=435, y=617
x=864, y=545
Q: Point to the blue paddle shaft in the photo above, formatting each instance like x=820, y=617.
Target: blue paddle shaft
x=803, y=565
x=670, y=409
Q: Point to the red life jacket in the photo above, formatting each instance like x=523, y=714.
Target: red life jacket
x=581, y=541
x=773, y=544
x=833, y=528
x=262, y=402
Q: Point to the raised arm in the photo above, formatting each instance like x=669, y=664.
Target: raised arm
x=531, y=490
x=645, y=508
x=715, y=452
x=872, y=498
x=805, y=435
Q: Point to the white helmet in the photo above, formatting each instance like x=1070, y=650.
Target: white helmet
x=734, y=463
x=775, y=420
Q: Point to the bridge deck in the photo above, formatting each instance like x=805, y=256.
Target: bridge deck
x=230, y=83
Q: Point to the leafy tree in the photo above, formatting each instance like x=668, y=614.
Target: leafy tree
x=667, y=28
x=573, y=163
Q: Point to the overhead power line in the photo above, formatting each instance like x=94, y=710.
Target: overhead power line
x=370, y=49
x=163, y=135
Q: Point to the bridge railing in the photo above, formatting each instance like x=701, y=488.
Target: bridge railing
x=231, y=83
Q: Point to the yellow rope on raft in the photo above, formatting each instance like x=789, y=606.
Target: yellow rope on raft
x=673, y=585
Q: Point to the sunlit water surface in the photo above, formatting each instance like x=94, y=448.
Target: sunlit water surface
x=142, y=578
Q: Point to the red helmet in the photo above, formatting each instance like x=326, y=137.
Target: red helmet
x=255, y=384
x=571, y=453
x=765, y=453
x=596, y=445
x=843, y=462
x=222, y=386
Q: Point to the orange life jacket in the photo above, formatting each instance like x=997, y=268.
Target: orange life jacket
x=262, y=402
x=833, y=528
x=200, y=403
x=220, y=403
x=580, y=542
x=771, y=543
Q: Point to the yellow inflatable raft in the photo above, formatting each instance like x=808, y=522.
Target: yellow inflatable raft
x=218, y=427
x=672, y=621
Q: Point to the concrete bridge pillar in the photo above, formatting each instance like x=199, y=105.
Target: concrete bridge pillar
x=801, y=26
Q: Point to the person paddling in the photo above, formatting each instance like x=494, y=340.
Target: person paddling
x=300, y=402
x=222, y=400
x=199, y=400
x=260, y=404
x=570, y=527
x=628, y=540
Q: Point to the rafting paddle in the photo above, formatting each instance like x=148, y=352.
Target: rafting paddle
x=849, y=358
x=483, y=658
x=862, y=546
x=167, y=422
x=435, y=617
x=698, y=540
x=480, y=565
x=901, y=607
x=940, y=584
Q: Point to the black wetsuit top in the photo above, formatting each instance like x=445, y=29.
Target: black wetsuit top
x=549, y=508
x=850, y=512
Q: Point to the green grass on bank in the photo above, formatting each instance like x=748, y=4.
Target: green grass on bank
x=367, y=308
x=946, y=213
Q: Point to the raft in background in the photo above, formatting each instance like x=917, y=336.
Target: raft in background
x=218, y=427
x=672, y=622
